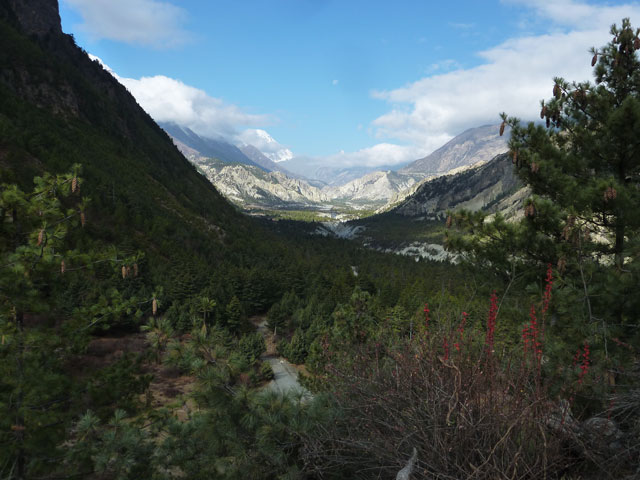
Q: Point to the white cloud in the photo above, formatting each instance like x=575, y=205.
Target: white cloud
x=335, y=82
x=515, y=76
x=265, y=143
x=382, y=154
x=170, y=100
x=577, y=14
x=143, y=22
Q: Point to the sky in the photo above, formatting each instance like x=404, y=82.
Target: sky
x=344, y=82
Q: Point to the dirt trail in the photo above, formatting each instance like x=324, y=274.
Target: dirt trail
x=285, y=378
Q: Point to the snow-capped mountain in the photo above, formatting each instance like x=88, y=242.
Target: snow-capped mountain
x=191, y=144
x=248, y=176
x=267, y=145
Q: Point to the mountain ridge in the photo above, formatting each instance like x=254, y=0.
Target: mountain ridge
x=207, y=147
x=473, y=146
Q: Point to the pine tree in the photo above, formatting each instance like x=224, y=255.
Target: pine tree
x=40, y=332
x=587, y=162
x=583, y=169
x=235, y=315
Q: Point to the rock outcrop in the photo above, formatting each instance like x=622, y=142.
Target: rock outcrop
x=474, y=189
x=37, y=17
x=471, y=147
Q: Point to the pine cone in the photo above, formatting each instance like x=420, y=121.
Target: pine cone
x=83, y=219
x=562, y=264
x=63, y=267
x=502, y=125
x=610, y=194
x=594, y=60
x=636, y=43
x=449, y=221
x=135, y=269
x=530, y=210
x=154, y=306
x=543, y=112
x=74, y=184
x=124, y=272
x=40, y=237
x=556, y=91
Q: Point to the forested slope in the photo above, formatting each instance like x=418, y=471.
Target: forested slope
x=123, y=273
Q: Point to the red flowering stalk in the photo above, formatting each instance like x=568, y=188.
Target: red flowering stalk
x=463, y=323
x=426, y=317
x=546, y=299
x=491, y=322
x=576, y=357
x=536, y=346
x=584, y=366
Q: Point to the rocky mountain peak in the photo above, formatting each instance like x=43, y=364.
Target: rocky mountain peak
x=37, y=17
x=471, y=147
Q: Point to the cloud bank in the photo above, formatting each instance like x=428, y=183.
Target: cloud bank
x=150, y=23
x=380, y=155
x=265, y=143
x=170, y=100
x=514, y=77
x=423, y=115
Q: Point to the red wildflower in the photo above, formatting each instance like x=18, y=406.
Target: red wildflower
x=461, y=326
x=426, y=316
x=584, y=365
x=534, y=333
x=491, y=322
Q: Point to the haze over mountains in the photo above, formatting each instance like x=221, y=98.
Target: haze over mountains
x=252, y=179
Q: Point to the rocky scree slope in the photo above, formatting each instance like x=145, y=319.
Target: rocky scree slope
x=471, y=147
x=482, y=187
x=253, y=180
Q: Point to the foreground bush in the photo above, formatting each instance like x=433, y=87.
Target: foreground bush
x=468, y=411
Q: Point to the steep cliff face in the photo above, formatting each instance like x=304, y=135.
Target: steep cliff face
x=474, y=146
x=375, y=187
x=37, y=17
x=59, y=108
x=246, y=185
x=475, y=189
x=251, y=186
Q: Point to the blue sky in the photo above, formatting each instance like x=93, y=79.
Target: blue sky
x=346, y=81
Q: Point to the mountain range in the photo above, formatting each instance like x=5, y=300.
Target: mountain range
x=251, y=179
x=482, y=187
x=472, y=147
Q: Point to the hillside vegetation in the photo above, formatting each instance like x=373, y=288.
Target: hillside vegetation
x=130, y=291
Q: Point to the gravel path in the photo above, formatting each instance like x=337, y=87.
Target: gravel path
x=285, y=374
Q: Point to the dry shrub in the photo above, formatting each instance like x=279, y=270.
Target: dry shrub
x=469, y=415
